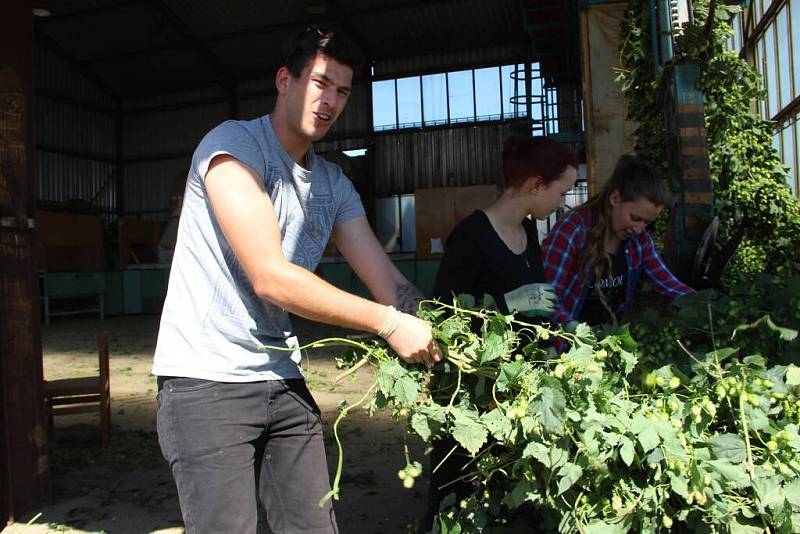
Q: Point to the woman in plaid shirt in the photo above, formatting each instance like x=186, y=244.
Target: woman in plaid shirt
x=597, y=253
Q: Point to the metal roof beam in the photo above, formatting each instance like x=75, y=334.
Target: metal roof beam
x=58, y=17
x=80, y=67
x=341, y=17
x=194, y=42
x=270, y=28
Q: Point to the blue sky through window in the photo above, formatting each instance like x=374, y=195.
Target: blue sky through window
x=490, y=93
x=409, y=102
x=383, y=104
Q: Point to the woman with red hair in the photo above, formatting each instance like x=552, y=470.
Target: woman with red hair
x=496, y=251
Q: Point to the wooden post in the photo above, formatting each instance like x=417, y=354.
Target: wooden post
x=23, y=460
x=105, y=389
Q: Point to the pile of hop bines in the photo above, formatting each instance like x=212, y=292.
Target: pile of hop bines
x=595, y=440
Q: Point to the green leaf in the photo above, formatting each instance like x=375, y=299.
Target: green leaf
x=599, y=527
x=755, y=361
x=419, y=423
x=570, y=474
x=769, y=491
x=388, y=373
x=629, y=359
x=582, y=354
x=737, y=527
x=427, y=420
x=497, y=423
x=679, y=484
x=550, y=456
x=584, y=333
x=786, y=334
x=792, y=492
x=405, y=390
x=639, y=423
x=648, y=438
x=551, y=407
x=734, y=474
x=728, y=447
x=793, y=376
x=720, y=354
x=756, y=418
x=509, y=372
x=626, y=451
x=523, y=491
x=448, y=329
x=465, y=300
x=494, y=347
x=469, y=432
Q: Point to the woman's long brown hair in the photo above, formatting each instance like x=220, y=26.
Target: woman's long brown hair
x=633, y=179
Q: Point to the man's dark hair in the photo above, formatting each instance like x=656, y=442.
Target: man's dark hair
x=314, y=40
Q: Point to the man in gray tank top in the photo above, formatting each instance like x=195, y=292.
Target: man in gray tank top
x=235, y=420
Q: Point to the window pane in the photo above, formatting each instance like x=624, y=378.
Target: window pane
x=408, y=232
x=737, y=32
x=487, y=93
x=513, y=101
x=522, y=91
x=760, y=65
x=788, y=154
x=538, y=111
x=461, y=98
x=409, y=103
x=537, y=82
x=772, y=74
x=387, y=223
x=383, y=105
x=783, y=58
x=434, y=97
x=552, y=111
x=730, y=43
x=794, y=8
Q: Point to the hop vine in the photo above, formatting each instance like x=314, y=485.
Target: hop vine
x=750, y=191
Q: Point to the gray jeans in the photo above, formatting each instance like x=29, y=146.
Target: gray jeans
x=231, y=445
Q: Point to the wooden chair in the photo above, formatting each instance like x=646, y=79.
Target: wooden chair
x=84, y=394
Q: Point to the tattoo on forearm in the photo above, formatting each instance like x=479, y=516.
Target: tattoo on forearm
x=408, y=298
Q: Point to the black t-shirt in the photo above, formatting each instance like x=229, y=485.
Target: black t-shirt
x=614, y=286
x=477, y=262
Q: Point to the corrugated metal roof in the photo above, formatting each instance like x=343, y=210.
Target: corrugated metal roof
x=139, y=48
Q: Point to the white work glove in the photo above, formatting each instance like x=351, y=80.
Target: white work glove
x=532, y=300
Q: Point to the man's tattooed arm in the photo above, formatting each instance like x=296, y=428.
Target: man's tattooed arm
x=408, y=298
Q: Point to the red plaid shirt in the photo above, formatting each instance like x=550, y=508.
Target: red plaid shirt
x=562, y=248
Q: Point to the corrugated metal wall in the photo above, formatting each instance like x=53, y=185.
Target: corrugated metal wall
x=158, y=143
x=439, y=158
x=159, y=133
x=148, y=186
x=157, y=147
x=74, y=125
x=164, y=133
x=354, y=120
